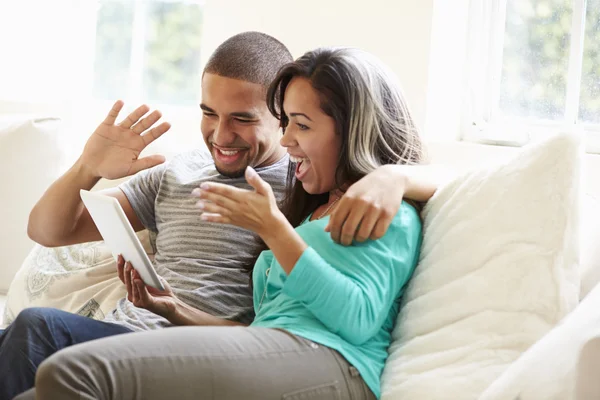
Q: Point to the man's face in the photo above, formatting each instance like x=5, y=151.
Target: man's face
x=237, y=127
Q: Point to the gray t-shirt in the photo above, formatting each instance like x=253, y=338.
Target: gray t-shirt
x=203, y=262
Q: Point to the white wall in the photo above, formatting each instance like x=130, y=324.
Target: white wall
x=397, y=31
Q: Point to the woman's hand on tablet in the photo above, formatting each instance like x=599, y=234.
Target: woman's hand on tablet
x=163, y=303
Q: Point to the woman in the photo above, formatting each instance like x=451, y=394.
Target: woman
x=324, y=312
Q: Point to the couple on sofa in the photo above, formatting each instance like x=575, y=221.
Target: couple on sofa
x=316, y=319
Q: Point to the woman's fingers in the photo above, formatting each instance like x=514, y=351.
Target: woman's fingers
x=215, y=218
x=221, y=200
x=257, y=182
x=223, y=190
x=213, y=208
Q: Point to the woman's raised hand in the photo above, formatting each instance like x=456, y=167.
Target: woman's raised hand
x=255, y=210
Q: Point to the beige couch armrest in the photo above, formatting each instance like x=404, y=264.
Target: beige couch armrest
x=552, y=368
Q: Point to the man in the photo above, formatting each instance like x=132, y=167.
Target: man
x=205, y=264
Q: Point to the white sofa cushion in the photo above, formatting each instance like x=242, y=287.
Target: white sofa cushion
x=31, y=158
x=498, y=270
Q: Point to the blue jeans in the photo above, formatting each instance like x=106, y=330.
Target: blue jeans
x=35, y=335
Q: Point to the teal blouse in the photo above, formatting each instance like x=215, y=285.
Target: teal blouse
x=345, y=298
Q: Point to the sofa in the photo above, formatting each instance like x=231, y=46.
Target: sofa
x=36, y=147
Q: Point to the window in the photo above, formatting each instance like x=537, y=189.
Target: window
x=534, y=69
x=149, y=49
x=73, y=50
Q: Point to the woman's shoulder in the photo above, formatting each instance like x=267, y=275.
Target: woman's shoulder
x=406, y=223
x=408, y=214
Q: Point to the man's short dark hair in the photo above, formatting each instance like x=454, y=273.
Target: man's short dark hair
x=249, y=56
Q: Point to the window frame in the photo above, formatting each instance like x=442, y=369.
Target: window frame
x=480, y=121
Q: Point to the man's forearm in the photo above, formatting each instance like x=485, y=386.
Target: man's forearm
x=419, y=186
x=56, y=214
x=184, y=314
x=421, y=181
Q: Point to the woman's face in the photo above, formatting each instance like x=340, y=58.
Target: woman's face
x=310, y=137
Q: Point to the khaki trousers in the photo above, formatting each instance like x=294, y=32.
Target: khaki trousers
x=199, y=363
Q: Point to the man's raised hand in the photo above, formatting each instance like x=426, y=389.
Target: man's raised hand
x=113, y=150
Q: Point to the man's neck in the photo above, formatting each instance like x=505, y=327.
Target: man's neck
x=274, y=158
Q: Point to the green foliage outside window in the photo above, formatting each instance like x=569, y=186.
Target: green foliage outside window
x=113, y=49
x=171, y=51
x=536, y=56
x=172, y=73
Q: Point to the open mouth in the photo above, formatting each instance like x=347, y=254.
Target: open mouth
x=303, y=165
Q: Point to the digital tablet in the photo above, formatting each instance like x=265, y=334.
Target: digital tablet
x=118, y=234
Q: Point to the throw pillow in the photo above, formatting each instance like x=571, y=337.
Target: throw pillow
x=498, y=269
x=81, y=279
